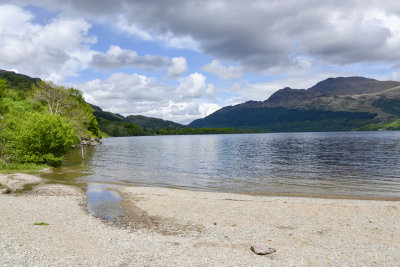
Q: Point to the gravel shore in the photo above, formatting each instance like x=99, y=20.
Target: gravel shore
x=169, y=227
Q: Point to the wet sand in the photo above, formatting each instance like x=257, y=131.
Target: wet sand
x=170, y=227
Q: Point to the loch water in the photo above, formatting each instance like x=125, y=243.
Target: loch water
x=349, y=164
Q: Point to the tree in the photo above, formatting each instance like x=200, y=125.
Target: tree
x=53, y=96
x=68, y=103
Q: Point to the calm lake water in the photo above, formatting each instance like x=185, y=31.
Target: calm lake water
x=356, y=164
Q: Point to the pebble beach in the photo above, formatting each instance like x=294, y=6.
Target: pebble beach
x=170, y=227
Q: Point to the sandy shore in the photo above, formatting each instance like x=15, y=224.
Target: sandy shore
x=167, y=227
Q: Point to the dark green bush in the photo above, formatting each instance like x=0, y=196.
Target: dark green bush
x=38, y=138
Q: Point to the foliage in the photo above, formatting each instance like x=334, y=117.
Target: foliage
x=392, y=126
x=20, y=167
x=68, y=103
x=37, y=138
x=40, y=121
x=3, y=87
x=19, y=83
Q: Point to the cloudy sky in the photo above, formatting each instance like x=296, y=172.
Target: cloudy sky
x=183, y=59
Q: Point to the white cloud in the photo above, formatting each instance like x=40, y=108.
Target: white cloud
x=58, y=49
x=178, y=67
x=259, y=35
x=187, y=111
x=132, y=29
x=130, y=94
x=194, y=86
x=179, y=41
x=395, y=75
x=121, y=87
x=115, y=57
x=226, y=73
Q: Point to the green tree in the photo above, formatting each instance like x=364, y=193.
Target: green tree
x=68, y=103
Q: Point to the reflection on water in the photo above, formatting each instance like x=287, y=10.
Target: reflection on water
x=102, y=202
x=361, y=164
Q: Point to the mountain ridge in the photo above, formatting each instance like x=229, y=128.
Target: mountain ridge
x=352, y=98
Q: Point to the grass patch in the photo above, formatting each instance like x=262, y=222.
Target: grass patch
x=104, y=134
x=21, y=167
x=40, y=223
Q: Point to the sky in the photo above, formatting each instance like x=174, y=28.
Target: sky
x=181, y=60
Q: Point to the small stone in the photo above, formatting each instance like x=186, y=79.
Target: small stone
x=262, y=250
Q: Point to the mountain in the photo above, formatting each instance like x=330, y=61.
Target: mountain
x=153, y=123
x=331, y=105
x=117, y=125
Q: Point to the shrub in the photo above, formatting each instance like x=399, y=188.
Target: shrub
x=37, y=138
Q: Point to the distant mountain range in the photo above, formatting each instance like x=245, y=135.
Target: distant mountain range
x=331, y=105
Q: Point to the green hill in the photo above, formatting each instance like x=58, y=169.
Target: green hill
x=152, y=123
x=116, y=125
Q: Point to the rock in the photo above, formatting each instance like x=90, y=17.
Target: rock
x=93, y=142
x=57, y=190
x=83, y=142
x=5, y=191
x=17, y=181
x=262, y=250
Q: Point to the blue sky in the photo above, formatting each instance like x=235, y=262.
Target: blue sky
x=182, y=60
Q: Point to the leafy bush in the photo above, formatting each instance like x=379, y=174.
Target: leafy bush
x=37, y=138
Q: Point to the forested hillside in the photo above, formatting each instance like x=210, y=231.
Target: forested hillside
x=152, y=123
x=40, y=120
